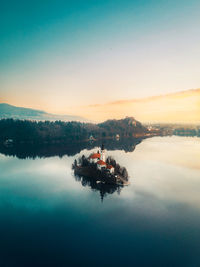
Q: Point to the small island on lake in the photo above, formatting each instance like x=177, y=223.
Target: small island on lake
x=101, y=169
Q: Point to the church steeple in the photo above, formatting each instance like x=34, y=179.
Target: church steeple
x=103, y=157
x=102, y=147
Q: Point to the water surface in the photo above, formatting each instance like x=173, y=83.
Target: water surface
x=50, y=218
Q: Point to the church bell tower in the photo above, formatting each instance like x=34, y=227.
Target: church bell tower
x=103, y=156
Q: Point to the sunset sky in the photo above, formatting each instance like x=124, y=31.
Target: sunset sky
x=61, y=56
x=181, y=107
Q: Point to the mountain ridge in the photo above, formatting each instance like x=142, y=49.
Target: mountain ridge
x=10, y=111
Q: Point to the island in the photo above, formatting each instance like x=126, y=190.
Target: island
x=101, y=169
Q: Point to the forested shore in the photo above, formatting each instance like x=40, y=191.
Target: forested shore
x=25, y=131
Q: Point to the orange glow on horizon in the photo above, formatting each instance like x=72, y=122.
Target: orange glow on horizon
x=177, y=107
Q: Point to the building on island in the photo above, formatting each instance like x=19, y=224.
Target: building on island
x=110, y=168
x=94, y=157
x=101, y=164
x=103, y=153
x=100, y=160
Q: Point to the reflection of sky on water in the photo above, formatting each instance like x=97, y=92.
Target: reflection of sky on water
x=159, y=170
x=42, y=207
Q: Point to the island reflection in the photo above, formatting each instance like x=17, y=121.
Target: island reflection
x=104, y=189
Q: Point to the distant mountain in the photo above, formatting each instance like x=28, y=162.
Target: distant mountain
x=9, y=111
x=126, y=127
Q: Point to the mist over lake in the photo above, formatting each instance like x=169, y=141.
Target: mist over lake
x=49, y=217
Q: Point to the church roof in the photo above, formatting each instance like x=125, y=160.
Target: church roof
x=95, y=156
x=101, y=162
x=109, y=166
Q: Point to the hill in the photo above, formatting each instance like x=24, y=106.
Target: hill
x=124, y=127
x=9, y=111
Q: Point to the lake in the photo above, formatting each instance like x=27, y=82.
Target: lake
x=48, y=217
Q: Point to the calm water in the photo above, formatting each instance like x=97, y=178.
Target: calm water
x=49, y=218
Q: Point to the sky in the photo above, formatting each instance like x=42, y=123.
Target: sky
x=181, y=107
x=62, y=55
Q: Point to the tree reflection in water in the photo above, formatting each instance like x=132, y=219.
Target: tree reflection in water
x=27, y=150
x=103, y=188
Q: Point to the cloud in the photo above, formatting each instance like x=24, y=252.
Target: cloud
x=181, y=106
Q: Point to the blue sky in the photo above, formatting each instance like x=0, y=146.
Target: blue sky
x=55, y=54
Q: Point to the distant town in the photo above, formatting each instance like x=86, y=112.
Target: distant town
x=175, y=129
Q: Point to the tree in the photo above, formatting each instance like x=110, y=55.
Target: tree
x=125, y=174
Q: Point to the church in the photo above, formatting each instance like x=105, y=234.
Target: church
x=100, y=159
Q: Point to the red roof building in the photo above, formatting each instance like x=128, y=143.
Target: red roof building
x=101, y=162
x=109, y=166
x=95, y=156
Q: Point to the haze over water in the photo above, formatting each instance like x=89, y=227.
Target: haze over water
x=49, y=218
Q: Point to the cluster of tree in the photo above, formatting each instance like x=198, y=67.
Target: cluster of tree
x=118, y=169
x=59, y=131
x=82, y=161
